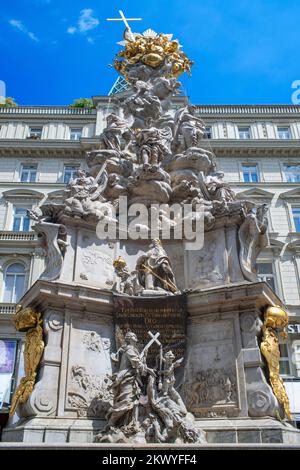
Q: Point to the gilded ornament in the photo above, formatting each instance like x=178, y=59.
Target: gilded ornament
x=275, y=319
x=119, y=263
x=153, y=50
x=30, y=321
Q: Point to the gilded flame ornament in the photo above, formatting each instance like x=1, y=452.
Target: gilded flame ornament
x=275, y=319
x=153, y=50
x=30, y=321
x=119, y=263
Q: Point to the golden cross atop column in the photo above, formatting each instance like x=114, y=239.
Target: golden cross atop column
x=125, y=21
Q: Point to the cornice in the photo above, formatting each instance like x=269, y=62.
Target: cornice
x=221, y=147
x=263, y=184
x=75, y=297
x=40, y=148
x=262, y=147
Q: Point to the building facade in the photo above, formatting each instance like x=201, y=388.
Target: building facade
x=41, y=148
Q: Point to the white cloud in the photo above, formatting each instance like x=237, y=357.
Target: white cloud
x=21, y=27
x=86, y=22
x=17, y=24
x=71, y=30
x=32, y=36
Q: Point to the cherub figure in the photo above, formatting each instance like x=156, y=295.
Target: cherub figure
x=169, y=380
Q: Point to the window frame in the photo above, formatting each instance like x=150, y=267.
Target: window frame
x=73, y=130
x=250, y=164
x=14, y=208
x=23, y=274
x=283, y=165
x=206, y=133
x=273, y=275
x=37, y=135
x=283, y=127
x=77, y=166
x=292, y=207
x=285, y=359
x=239, y=127
x=29, y=172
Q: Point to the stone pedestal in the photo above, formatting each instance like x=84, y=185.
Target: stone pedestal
x=224, y=374
x=79, y=335
x=224, y=382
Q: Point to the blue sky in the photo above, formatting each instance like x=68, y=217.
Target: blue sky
x=245, y=51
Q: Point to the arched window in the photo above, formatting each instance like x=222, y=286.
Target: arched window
x=14, y=283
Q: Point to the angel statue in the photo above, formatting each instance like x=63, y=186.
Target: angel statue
x=152, y=145
x=189, y=129
x=116, y=129
x=83, y=195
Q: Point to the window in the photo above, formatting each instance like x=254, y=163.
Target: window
x=265, y=273
x=35, y=132
x=28, y=173
x=250, y=173
x=292, y=173
x=244, y=132
x=75, y=134
x=21, y=221
x=8, y=350
x=296, y=217
x=69, y=172
x=284, y=362
x=284, y=133
x=207, y=133
x=14, y=283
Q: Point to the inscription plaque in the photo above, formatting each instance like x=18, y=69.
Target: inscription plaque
x=166, y=315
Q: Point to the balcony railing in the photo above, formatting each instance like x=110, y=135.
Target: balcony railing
x=7, y=309
x=60, y=110
x=17, y=236
x=248, y=109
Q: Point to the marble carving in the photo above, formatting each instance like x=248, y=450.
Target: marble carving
x=146, y=406
x=152, y=154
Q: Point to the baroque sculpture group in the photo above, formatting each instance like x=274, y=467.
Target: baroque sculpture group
x=152, y=154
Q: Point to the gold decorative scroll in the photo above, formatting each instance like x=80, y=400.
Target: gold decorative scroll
x=30, y=321
x=275, y=319
x=153, y=49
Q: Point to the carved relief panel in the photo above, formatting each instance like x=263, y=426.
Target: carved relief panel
x=211, y=380
x=207, y=266
x=89, y=365
x=95, y=257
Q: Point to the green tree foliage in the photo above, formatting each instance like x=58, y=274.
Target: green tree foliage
x=83, y=103
x=9, y=102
